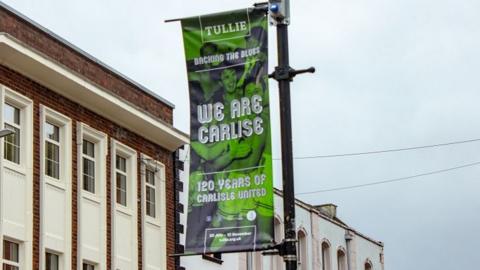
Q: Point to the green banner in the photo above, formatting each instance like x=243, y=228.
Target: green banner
x=230, y=205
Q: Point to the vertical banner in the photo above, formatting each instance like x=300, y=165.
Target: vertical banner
x=230, y=205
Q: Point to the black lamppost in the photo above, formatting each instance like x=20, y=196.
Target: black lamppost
x=280, y=14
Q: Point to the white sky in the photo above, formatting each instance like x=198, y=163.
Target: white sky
x=390, y=74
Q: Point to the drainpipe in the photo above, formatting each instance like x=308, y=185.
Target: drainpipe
x=348, y=239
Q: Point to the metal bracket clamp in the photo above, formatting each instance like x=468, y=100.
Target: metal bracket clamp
x=289, y=258
x=290, y=240
x=282, y=247
x=288, y=73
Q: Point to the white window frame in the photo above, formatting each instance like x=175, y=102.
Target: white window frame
x=95, y=265
x=100, y=140
x=64, y=182
x=158, y=168
x=130, y=156
x=159, y=221
x=26, y=135
x=65, y=143
x=58, y=144
x=125, y=174
x=131, y=208
x=342, y=261
x=25, y=168
x=302, y=249
x=58, y=254
x=95, y=165
x=153, y=186
x=16, y=126
x=276, y=262
x=21, y=255
x=326, y=254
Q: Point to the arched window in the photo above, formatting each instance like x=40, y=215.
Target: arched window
x=326, y=264
x=368, y=265
x=341, y=259
x=302, y=250
x=277, y=262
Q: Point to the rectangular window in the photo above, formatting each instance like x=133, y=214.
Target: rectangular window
x=89, y=166
x=88, y=266
x=11, y=260
x=121, y=177
x=12, y=141
x=51, y=261
x=150, y=190
x=52, y=150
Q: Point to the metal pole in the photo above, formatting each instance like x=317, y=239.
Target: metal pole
x=279, y=10
x=290, y=251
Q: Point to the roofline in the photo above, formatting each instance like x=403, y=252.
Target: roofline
x=312, y=209
x=86, y=55
x=40, y=68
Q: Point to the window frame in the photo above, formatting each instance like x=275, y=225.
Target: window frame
x=100, y=140
x=342, y=258
x=326, y=255
x=59, y=259
x=18, y=264
x=368, y=265
x=25, y=105
x=276, y=261
x=124, y=189
x=65, y=146
x=85, y=156
x=302, y=249
x=63, y=184
x=130, y=156
x=15, y=127
x=56, y=143
x=158, y=168
x=117, y=209
x=150, y=186
x=88, y=263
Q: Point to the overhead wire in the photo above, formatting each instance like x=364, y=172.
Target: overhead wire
x=385, y=151
x=400, y=179
x=376, y=151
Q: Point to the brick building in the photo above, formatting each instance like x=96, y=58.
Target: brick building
x=87, y=180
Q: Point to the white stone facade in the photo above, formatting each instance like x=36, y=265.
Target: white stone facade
x=325, y=243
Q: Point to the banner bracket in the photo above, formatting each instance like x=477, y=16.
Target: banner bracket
x=288, y=73
x=261, y=5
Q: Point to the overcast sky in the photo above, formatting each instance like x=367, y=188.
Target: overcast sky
x=390, y=74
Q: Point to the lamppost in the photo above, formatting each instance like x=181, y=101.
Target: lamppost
x=280, y=14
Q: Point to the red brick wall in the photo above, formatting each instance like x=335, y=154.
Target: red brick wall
x=76, y=62
x=42, y=95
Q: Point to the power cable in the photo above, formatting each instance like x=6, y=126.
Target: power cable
x=377, y=151
x=389, y=180
x=385, y=151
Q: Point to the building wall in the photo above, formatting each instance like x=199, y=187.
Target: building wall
x=318, y=229
x=45, y=208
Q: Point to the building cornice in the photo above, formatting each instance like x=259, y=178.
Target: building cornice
x=312, y=209
x=42, y=69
